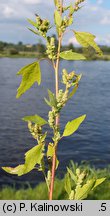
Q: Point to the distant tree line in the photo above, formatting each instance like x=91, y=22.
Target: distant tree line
x=40, y=48
x=13, y=49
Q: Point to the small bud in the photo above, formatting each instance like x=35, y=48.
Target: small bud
x=29, y=124
x=51, y=119
x=71, y=75
x=51, y=48
x=38, y=21
x=65, y=76
x=70, y=21
x=60, y=95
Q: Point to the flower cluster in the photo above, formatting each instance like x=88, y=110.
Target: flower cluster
x=64, y=24
x=42, y=26
x=80, y=177
x=68, y=78
x=62, y=99
x=77, y=3
x=35, y=130
x=51, y=118
x=51, y=48
x=67, y=21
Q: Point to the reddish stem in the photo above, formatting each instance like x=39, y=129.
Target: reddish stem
x=57, y=117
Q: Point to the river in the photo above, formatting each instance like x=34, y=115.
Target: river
x=91, y=142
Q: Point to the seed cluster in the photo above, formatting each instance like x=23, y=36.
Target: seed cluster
x=42, y=26
x=77, y=3
x=80, y=177
x=67, y=21
x=69, y=80
x=51, y=48
x=51, y=118
x=35, y=130
x=63, y=96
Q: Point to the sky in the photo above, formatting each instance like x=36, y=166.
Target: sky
x=94, y=17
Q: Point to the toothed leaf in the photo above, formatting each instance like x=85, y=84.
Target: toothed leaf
x=30, y=74
x=87, y=39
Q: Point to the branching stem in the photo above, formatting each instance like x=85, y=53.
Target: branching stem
x=57, y=117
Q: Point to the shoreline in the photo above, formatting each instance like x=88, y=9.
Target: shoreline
x=33, y=55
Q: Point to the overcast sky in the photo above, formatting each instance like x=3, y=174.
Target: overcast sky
x=93, y=17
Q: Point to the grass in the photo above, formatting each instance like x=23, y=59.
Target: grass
x=40, y=192
x=102, y=192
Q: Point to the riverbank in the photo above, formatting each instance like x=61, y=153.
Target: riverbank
x=105, y=57
x=40, y=192
x=22, y=55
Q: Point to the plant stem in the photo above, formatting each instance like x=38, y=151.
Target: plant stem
x=57, y=120
x=57, y=117
x=52, y=176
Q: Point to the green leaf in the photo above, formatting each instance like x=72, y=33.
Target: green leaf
x=73, y=177
x=72, y=194
x=69, y=55
x=98, y=182
x=33, y=31
x=50, y=153
x=30, y=74
x=51, y=150
x=56, y=2
x=67, y=184
x=79, y=77
x=82, y=192
x=41, y=168
x=58, y=19
x=35, y=119
x=48, y=179
x=73, y=91
x=71, y=9
x=73, y=125
x=86, y=39
x=70, y=21
x=32, y=157
x=52, y=98
x=32, y=22
x=57, y=163
x=19, y=170
x=47, y=102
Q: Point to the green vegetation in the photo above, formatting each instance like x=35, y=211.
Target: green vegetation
x=38, y=50
x=22, y=50
x=40, y=192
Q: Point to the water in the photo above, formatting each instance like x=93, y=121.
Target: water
x=91, y=142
